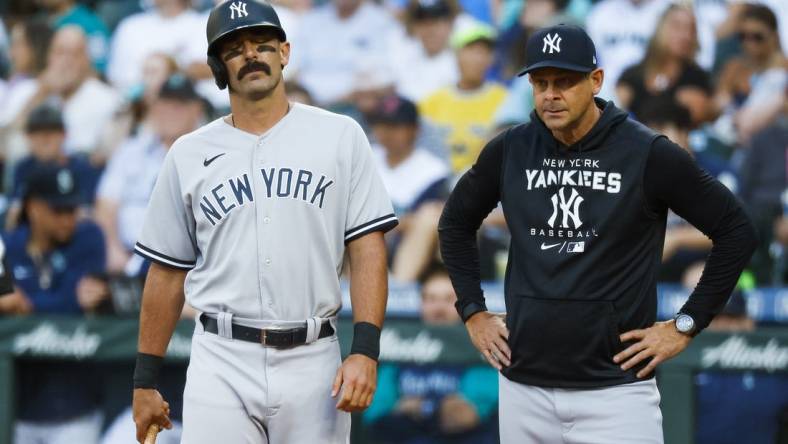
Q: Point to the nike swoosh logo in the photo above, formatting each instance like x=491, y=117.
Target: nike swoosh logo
x=207, y=162
x=547, y=247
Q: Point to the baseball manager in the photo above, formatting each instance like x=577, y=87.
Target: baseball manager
x=585, y=191
x=249, y=221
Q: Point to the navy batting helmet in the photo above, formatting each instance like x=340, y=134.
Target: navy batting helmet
x=230, y=16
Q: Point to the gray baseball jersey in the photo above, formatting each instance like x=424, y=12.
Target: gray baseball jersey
x=261, y=222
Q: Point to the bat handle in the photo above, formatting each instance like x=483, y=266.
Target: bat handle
x=150, y=437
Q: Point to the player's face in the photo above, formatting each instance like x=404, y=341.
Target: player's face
x=563, y=97
x=255, y=59
x=437, y=301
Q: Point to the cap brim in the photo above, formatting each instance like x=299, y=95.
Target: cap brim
x=281, y=33
x=555, y=64
x=64, y=202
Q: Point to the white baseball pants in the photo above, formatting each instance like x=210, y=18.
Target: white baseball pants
x=622, y=414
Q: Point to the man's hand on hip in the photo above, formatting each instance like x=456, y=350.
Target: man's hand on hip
x=659, y=342
x=355, y=382
x=489, y=335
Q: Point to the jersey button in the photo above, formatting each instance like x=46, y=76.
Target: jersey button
x=268, y=261
x=267, y=220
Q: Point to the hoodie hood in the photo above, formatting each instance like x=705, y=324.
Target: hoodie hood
x=610, y=118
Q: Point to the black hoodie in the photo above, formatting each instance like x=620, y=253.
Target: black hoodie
x=588, y=226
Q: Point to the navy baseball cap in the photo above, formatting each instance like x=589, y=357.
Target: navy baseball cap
x=178, y=87
x=45, y=117
x=560, y=46
x=395, y=110
x=54, y=184
x=429, y=9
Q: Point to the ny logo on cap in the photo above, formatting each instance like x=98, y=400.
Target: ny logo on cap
x=238, y=9
x=552, y=42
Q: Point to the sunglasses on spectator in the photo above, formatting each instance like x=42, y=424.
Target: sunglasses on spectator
x=757, y=37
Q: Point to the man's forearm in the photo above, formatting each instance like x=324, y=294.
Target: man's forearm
x=734, y=244
x=162, y=302
x=368, y=278
x=460, y=253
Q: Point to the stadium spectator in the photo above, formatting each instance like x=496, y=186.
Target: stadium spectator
x=416, y=181
x=434, y=403
x=620, y=30
x=46, y=134
x=128, y=180
x=372, y=84
x=158, y=67
x=751, y=87
x=27, y=52
x=87, y=103
x=764, y=179
x=464, y=112
x=68, y=12
x=422, y=61
x=668, y=69
x=57, y=263
x=336, y=41
x=171, y=27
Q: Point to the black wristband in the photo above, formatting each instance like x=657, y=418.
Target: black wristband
x=146, y=371
x=366, y=340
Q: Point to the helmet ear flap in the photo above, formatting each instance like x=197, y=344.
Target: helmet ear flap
x=219, y=71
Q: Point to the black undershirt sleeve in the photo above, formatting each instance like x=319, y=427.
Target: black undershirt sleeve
x=477, y=193
x=673, y=180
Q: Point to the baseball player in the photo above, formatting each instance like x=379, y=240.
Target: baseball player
x=249, y=220
x=585, y=191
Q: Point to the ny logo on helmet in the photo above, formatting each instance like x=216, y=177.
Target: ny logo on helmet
x=551, y=42
x=569, y=208
x=238, y=9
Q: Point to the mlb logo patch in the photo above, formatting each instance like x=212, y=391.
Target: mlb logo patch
x=576, y=247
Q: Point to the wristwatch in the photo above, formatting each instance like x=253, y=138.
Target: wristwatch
x=685, y=324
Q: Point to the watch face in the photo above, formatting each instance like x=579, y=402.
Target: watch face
x=684, y=323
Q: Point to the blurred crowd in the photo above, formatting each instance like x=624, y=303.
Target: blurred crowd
x=94, y=92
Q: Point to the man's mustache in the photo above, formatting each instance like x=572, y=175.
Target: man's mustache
x=252, y=67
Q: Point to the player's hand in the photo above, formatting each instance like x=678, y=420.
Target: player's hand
x=660, y=342
x=489, y=335
x=356, y=381
x=149, y=408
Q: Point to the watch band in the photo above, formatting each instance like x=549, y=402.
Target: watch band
x=470, y=309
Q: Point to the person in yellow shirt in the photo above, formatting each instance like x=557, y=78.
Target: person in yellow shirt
x=464, y=112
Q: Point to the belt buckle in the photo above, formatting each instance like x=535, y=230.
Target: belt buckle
x=264, y=334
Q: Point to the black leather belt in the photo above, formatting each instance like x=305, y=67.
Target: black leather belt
x=272, y=337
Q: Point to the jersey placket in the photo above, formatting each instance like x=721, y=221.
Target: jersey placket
x=261, y=158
